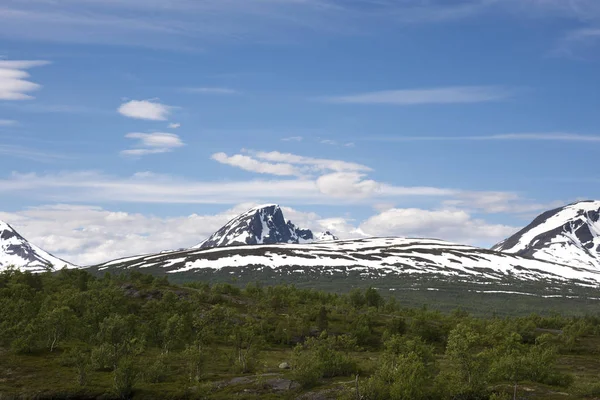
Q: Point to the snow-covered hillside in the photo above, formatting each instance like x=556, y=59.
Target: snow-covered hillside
x=262, y=225
x=18, y=252
x=568, y=235
x=376, y=256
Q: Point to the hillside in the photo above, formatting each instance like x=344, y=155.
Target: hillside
x=416, y=270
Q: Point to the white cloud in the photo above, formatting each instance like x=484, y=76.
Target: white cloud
x=319, y=164
x=315, y=181
x=328, y=141
x=443, y=95
x=153, y=143
x=7, y=122
x=498, y=202
x=14, y=83
x=174, y=125
x=452, y=225
x=343, y=184
x=22, y=64
x=293, y=139
x=96, y=188
x=211, y=90
x=250, y=164
x=286, y=164
x=145, y=109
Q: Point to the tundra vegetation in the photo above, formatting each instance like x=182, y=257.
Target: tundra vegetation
x=71, y=334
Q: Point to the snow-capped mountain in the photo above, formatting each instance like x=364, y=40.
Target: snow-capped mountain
x=568, y=235
x=262, y=225
x=395, y=259
x=18, y=252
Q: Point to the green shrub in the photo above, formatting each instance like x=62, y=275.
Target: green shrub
x=102, y=357
x=307, y=369
x=321, y=358
x=195, y=358
x=157, y=371
x=78, y=358
x=125, y=377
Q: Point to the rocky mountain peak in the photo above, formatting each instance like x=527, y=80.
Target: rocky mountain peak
x=16, y=251
x=264, y=224
x=568, y=235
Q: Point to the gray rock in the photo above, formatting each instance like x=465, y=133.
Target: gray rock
x=284, y=365
x=279, y=384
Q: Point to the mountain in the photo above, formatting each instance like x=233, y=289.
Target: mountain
x=567, y=235
x=17, y=251
x=394, y=264
x=261, y=225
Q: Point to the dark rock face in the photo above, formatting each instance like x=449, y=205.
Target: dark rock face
x=260, y=225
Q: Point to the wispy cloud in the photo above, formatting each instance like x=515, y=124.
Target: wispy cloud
x=9, y=151
x=250, y=164
x=316, y=164
x=579, y=43
x=14, y=83
x=293, y=139
x=153, y=143
x=40, y=108
x=553, y=137
x=7, y=122
x=97, y=188
x=331, y=142
x=442, y=95
x=328, y=141
x=183, y=22
x=145, y=109
x=174, y=125
x=212, y=90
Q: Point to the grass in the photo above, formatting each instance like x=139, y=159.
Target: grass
x=42, y=376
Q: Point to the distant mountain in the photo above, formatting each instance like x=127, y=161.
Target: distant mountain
x=262, y=225
x=567, y=235
x=396, y=263
x=18, y=252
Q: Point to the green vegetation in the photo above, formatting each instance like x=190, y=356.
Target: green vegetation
x=74, y=335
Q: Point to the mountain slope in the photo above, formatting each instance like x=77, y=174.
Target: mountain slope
x=261, y=225
x=365, y=258
x=568, y=235
x=16, y=251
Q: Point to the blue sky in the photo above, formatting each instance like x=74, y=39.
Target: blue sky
x=130, y=126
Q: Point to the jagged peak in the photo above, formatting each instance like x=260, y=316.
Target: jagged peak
x=263, y=224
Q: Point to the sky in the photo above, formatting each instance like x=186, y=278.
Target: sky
x=135, y=126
